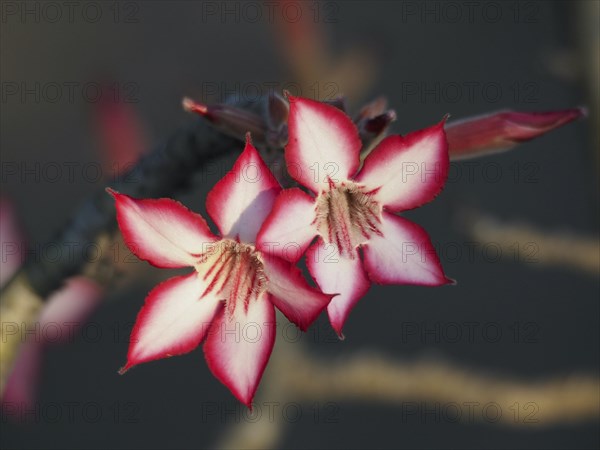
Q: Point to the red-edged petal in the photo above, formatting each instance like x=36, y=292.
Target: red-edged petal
x=297, y=300
x=407, y=171
x=338, y=275
x=403, y=254
x=323, y=143
x=173, y=321
x=238, y=347
x=163, y=232
x=289, y=228
x=491, y=133
x=242, y=199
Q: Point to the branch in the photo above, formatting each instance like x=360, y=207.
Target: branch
x=528, y=244
x=293, y=376
x=167, y=170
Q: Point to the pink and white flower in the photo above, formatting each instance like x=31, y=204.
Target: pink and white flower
x=349, y=211
x=230, y=296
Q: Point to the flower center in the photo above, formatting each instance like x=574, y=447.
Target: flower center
x=347, y=216
x=233, y=271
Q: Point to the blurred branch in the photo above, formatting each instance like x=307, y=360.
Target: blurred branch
x=533, y=245
x=373, y=377
x=370, y=377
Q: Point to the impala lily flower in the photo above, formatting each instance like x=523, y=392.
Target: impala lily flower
x=349, y=212
x=230, y=296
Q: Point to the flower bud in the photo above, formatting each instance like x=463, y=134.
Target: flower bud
x=503, y=130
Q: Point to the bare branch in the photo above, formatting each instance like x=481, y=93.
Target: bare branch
x=293, y=376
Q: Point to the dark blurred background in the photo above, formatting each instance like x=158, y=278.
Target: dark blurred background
x=520, y=55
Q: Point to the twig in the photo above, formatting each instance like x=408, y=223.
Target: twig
x=535, y=246
x=293, y=376
x=167, y=170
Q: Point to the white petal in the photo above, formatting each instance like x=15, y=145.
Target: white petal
x=323, y=143
x=238, y=346
x=163, y=232
x=404, y=254
x=407, y=171
x=289, y=228
x=242, y=199
x=173, y=321
x=340, y=275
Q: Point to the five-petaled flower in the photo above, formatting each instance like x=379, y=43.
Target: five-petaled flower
x=230, y=296
x=351, y=211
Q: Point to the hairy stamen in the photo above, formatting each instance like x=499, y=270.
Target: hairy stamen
x=347, y=216
x=234, y=271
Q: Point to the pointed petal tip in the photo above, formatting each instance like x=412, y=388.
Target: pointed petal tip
x=450, y=281
x=442, y=123
x=248, y=401
x=112, y=192
x=302, y=327
x=187, y=103
x=338, y=326
x=190, y=105
x=288, y=96
x=125, y=368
